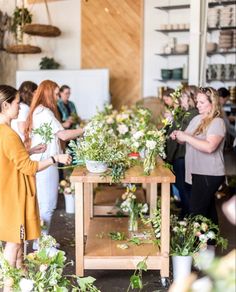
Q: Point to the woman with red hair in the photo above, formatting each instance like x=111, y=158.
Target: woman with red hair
x=43, y=109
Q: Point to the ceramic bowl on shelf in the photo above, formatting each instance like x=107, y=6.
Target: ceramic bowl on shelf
x=211, y=47
x=166, y=74
x=181, y=48
x=177, y=74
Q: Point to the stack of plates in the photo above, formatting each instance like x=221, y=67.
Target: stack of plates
x=226, y=39
x=213, y=17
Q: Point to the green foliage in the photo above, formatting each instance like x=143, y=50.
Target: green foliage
x=48, y=63
x=136, y=279
x=45, y=132
x=21, y=16
x=115, y=235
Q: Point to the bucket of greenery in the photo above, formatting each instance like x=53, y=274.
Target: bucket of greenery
x=188, y=237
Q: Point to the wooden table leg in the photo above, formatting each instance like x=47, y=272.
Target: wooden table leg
x=153, y=197
x=79, y=229
x=88, y=205
x=165, y=228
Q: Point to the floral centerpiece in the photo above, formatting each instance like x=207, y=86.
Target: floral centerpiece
x=43, y=272
x=132, y=207
x=111, y=136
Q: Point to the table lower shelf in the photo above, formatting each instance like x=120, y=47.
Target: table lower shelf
x=103, y=253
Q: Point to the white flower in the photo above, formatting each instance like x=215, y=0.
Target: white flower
x=151, y=144
x=144, y=208
x=138, y=135
x=204, y=284
x=175, y=229
x=136, y=145
x=68, y=190
x=203, y=238
x=110, y=120
x=158, y=235
x=204, y=227
x=211, y=235
x=52, y=251
x=43, y=268
x=122, y=129
x=183, y=223
x=196, y=224
x=26, y=285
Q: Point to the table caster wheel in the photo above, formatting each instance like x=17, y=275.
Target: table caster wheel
x=164, y=282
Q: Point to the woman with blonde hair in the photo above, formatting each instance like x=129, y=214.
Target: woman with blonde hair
x=204, y=139
x=19, y=214
x=43, y=109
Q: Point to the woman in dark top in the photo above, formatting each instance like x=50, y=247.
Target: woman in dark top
x=176, y=151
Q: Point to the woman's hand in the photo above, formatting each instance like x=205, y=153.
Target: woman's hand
x=181, y=136
x=63, y=158
x=173, y=135
x=38, y=149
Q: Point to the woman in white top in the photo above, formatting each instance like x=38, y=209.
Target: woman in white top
x=26, y=91
x=43, y=109
x=204, y=138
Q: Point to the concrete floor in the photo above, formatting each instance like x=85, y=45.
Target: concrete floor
x=118, y=280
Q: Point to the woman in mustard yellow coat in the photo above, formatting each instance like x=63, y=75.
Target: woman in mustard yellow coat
x=19, y=214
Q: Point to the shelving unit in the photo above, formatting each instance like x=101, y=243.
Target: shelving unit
x=172, y=30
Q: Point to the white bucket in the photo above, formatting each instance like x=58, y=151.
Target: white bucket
x=70, y=203
x=181, y=267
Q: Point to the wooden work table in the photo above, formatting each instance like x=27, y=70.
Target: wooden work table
x=103, y=253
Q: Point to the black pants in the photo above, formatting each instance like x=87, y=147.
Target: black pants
x=183, y=188
x=202, y=200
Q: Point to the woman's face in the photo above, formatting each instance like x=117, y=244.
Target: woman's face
x=203, y=104
x=184, y=101
x=65, y=95
x=168, y=100
x=12, y=109
x=56, y=94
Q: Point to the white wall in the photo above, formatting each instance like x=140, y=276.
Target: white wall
x=154, y=42
x=65, y=49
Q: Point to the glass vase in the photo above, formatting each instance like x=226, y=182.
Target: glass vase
x=133, y=222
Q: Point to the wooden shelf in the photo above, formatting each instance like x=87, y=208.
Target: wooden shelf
x=221, y=3
x=101, y=253
x=222, y=53
x=172, y=30
x=222, y=80
x=221, y=28
x=172, y=54
x=173, y=7
x=168, y=80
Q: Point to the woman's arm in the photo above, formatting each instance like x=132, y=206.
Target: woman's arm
x=62, y=158
x=21, y=127
x=66, y=135
x=209, y=145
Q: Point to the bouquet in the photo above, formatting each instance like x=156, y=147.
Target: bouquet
x=66, y=187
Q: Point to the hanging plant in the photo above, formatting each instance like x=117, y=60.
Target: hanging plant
x=21, y=16
x=48, y=63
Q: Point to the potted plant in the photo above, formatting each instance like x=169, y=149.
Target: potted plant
x=131, y=207
x=48, y=63
x=66, y=188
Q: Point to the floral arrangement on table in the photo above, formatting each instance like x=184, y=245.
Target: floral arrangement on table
x=66, y=187
x=111, y=137
x=43, y=271
x=131, y=207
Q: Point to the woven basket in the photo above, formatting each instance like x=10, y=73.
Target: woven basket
x=23, y=49
x=43, y=30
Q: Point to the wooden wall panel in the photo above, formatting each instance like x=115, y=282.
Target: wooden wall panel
x=112, y=38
